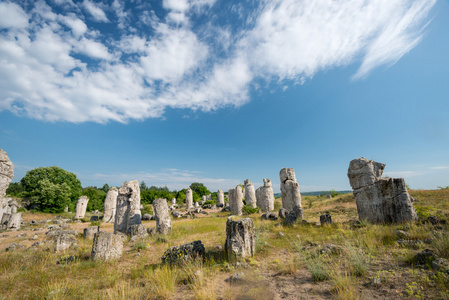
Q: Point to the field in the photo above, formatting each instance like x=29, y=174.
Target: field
x=345, y=260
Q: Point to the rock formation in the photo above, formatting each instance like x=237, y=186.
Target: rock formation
x=291, y=196
x=90, y=231
x=173, y=201
x=6, y=175
x=379, y=200
x=325, y=219
x=236, y=200
x=107, y=246
x=240, y=238
x=265, y=196
x=14, y=222
x=220, y=197
x=189, y=198
x=110, y=205
x=64, y=241
x=162, y=216
x=81, y=206
x=182, y=254
x=128, y=207
x=250, y=194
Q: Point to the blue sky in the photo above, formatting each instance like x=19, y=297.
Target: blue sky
x=177, y=91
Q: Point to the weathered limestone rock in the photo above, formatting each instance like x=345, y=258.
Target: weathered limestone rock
x=265, y=196
x=6, y=176
x=137, y=232
x=379, y=200
x=197, y=204
x=236, y=200
x=220, y=197
x=14, y=222
x=64, y=242
x=107, y=246
x=283, y=213
x=250, y=194
x=269, y=216
x=162, y=216
x=173, y=201
x=325, y=219
x=189, y=198
x=240, y=238
x=182, y=254
x=90, y=231
x=5, y=219
x=294, y=215
x=291, y=195
x=128, y=207
x=147, y=217
x=81, y=206
x=110, y=205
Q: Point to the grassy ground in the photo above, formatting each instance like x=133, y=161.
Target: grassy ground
x=290, y=262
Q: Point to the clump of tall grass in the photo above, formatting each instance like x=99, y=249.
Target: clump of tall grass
x=440, y=243
x=343, y=285
x=358, y=260
x=319, y=268
x=164, y=280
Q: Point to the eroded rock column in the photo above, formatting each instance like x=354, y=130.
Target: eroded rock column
x=236, y=200
x=162, y=216
x=379, y=200
x=265, y=196
x=250, y=194
x=81, y=206
x=6, y=176
x=291, y=196
x=220, y=197
x=240, y=238
x=110, y=205
x=189, y=198
x=106, y=246
x=128, y=207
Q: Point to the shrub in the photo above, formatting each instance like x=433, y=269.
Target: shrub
x=247, y=209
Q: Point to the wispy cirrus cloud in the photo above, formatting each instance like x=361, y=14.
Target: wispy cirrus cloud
x=148, y=61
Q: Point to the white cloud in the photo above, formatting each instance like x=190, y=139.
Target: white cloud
x=96, y=12
x=398, y=174
x=12, y=16
x=440, y=168
x=172, y=63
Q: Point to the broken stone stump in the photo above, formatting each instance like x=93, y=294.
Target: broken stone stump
x=162, y=216
x=189, y=198
x=379, y=200
x=90, y=231
x=127, y=211
x=294, y=215
x=14, y=221
x=291, y=195
x=6, y=176
x=183, y=253
x=137, y=230
x=81, y=206
x=250, y=194
x=94, y=219
x=325, y=219
x=283, y=213
x=265, y=196
x=236, y=200
x=240, y=238
x=220, y=198
x=64, y=241
x=110, y=205
x=107, y=246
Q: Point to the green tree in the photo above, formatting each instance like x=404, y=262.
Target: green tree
x=200, y=189
x=105, y=187
x=143, y=186
x=51, y=189
x=96, y=198
x=15, y=189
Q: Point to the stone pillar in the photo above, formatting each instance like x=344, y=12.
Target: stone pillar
x=236, y=200
x=162, y=216
x=110, y=205
x=209, y=197
x=265, y=196
x=106, y=246
x=6, y=176
x=220, y=197
x=128, y=207
x=291, y=196
x=240, y=238
x=379, y=200
x=81, y=206
x=173, y=201
x=14, y=222
x=250, y=194
x=189, y=198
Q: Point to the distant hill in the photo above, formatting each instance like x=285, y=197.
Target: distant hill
x=317, y=193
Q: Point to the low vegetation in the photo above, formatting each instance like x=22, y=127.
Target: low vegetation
x=344, y=260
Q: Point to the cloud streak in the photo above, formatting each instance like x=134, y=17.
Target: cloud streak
x=57, y=66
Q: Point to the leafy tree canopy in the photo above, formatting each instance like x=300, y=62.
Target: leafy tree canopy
x=200, y=189
x=96, y=198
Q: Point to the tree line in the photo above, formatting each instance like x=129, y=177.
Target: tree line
x=52, y=190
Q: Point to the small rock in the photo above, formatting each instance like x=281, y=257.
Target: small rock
x=425, y=257
x=236, y=278
x=147, y=217
x=283, y=213
x=14, y=246
x=281, y=234
x=94, y=219
x=432, y=220
x=402, y=234
x=21, y=234
x=440, y=263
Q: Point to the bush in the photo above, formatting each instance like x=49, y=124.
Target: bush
x=247, y=209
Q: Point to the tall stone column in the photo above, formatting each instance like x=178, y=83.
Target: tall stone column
x=162, y=216
x=236, y=200
x=291, y=196
x=128, y=207
x=240, y=238
x=81, y=206
x=110, y=205
x=265, y=196
x=220, y=197
x=250, y=194
x=6, y=176
x=189, y=198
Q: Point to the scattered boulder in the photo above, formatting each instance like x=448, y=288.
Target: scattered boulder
x=162, y=216
x=176, y=214
x=265, y=196
x=283, y=213
x=90, y=231
x=379, y=200
x=240, y=238
x=94, y=219
x=294, y=215
x=14, y=246
x=237, y=277
x=183, y=253
x=440, y=264
x=110, y=205
x=81, y=206
x=236, y=200
x=331, y=249
x=402, y=234
x=291, y=195
x=432, y=220
x=425, y=257
x=325, y=219
x=14, y=221
x=147, y=217
x=56, y=233
x=269, y=216
x=250, y=194
x=107, y=246
x=128, y=207
x=64, y=241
